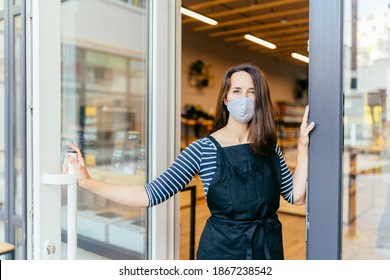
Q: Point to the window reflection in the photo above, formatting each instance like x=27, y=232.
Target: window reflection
x=18, y=243
x=2, y=236
x=18, y=113
x=104, y=112
x=134, y=3
x=2, y=119
x=366, y=180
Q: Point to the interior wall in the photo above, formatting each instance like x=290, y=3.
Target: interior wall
x=220, y=56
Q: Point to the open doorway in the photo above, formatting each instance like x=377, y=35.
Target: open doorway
x=207, y=51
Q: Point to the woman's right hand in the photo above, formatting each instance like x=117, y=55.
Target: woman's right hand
x=78, y=164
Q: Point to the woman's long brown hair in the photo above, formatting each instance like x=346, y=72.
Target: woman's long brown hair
x=262, y=132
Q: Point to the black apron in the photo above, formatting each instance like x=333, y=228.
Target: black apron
x=243, y=198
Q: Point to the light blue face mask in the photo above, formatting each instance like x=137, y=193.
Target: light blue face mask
x=242, y=109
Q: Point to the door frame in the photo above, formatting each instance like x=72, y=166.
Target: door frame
x=324, y=197
x=164, y=105
x=44, y=148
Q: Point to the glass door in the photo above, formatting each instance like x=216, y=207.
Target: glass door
x=366, y=157
x=104, y=48
x=13, y=126
x=2, y=123
x=348, y=191
x=102, y=75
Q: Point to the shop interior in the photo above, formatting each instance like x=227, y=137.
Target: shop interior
x=366, y=76
x=104, y=106
x=207, y=51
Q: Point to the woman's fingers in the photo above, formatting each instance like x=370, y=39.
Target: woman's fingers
x=310, y=127
x=72, y=146
x=77, y=150
x=306, y=114
x=75, y=162
x=65, y=166
x=305, y=127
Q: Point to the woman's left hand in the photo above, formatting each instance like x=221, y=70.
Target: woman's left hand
x=305, y=129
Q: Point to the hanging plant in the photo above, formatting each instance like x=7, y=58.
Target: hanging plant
x=300, y=90
x=199, y=74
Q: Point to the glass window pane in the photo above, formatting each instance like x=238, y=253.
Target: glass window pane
x=2, y=236
x=366, y=180
x=104, y=112
x=2, y=231
x=135, y=3
x=138, y=3
x=2, y=118
x=17, y=2
x=18, y=243
x=18, y=112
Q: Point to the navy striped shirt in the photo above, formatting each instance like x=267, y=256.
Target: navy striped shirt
x=201, y=157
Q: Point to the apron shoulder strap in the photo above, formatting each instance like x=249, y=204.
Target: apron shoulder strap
x=215, y=142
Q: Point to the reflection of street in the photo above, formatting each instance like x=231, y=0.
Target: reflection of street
x=383, y=241
x=369, y=198
x=2, y=178
x=366, y=178
x=1, y=162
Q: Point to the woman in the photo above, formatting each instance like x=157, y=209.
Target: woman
x=242, y=169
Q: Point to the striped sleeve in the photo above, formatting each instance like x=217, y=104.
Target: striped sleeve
x=209, y=163
x=287, y=177
x=177, y=176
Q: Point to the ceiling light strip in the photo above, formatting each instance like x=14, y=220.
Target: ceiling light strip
x=259, y=41
x=300, y=57
x=197, y=16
